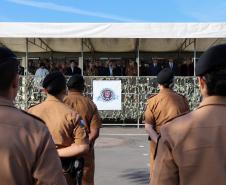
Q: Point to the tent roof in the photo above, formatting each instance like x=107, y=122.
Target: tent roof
x=113, y=30
x=112, y=37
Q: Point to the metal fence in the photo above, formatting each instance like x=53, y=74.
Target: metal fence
x=135, y=92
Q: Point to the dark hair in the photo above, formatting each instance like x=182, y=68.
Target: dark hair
x=73, y=61
x=9, y=68
x=216, y=82
x=8, y=72
x=54, y=83
x=76, y=82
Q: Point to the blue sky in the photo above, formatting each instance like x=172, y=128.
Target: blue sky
x=113, y=11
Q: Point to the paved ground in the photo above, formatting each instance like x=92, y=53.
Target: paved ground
x=122, y=157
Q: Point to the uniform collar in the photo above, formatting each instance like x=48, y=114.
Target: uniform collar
x=5, y=102
x=213, y=100
x=52, y=98
x=165, y=90
x=74, y=93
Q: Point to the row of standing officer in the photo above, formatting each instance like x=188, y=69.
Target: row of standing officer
x=191, y=149
x=191, y=146
x=73, y=122
x=28, y=141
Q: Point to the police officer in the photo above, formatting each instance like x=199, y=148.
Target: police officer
x=162, y=107
x=27, y=152
x=89, y=113
x=192, y=148
x=64, y=125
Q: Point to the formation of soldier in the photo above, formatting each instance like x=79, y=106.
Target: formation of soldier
x=191, y=146
x=53, y=142
x=61, y=126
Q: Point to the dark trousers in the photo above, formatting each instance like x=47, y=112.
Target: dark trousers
x=73, y=170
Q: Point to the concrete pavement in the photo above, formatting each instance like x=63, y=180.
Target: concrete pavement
x=122, y=157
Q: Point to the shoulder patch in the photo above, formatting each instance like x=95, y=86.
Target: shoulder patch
x=82, y=123
x=33, y=116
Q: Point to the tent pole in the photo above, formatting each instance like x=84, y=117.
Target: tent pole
x=26, y=58
x=82, y=55
x=194, y=79
x=195, y=51
x=137, y=79
x=138, y=57
x=26, y=75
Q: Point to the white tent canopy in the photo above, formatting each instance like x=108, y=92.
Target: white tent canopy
x=112, y=37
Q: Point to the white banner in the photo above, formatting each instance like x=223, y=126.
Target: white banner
x=107, y=94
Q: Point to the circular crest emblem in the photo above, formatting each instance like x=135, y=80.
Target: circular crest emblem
x=107, y=95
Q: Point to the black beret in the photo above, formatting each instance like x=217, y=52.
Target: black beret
x=165, y=76
x=6, y=55
x=76, y=82
x=54, y=79
x=211, y=59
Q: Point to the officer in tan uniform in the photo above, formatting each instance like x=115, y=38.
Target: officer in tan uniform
x=89, y=113
x=162, y=107
x=192, y=148
x=64, y=124
x=27, y=152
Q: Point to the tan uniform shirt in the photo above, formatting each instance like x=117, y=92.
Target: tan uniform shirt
x=61, y=121
x=27, y=152
x=192, y=148
x=85, y=107
x=89, y=113
x=164, y=106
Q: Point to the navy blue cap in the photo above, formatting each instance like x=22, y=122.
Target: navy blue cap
x=211, y=60
x=165, y=76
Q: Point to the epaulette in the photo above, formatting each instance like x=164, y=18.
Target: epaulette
x=34, y=105
x=27, y=113
x=180, y=95
x=182, y=114
x=151, y=96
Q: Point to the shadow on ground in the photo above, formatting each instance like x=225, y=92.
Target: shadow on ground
x=140, y=177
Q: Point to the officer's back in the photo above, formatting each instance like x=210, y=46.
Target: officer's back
x=88, y=111
x=164, y=106
x=61, y=120
x=161, y=108
x=28, y=155
x=81, y=104
x=64, y=124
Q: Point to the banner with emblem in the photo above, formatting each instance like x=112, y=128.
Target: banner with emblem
x=107, y=94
